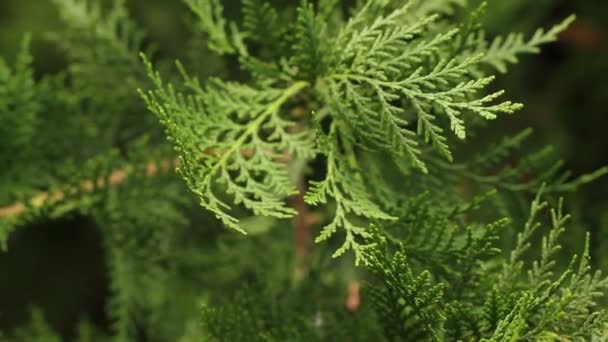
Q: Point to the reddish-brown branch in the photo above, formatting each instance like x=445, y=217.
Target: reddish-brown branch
x=302, y=222
x=354, y=299
x=304, y=219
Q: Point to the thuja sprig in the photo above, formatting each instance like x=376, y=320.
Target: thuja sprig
x=354, y=113
x=375, y=76
x=232, y=117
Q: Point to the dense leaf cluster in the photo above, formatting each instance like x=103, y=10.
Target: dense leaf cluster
x=359, y=111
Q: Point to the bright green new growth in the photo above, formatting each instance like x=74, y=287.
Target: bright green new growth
x=393, y=83
x=359, y=111
x=245, y=139
x=504, y=51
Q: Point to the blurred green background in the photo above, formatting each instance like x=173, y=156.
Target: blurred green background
x=564, y=90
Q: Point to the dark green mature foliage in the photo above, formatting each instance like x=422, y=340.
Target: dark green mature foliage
x=359, y=110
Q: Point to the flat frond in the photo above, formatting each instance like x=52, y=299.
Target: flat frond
x=20, y=104
x=309, y=48
x=503, y=51
x=344, y=185
x=381, y=81
x=232, y=139
x=407, y=304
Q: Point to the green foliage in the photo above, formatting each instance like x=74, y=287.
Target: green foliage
x=383, y=64
x=37, y=330
x=407, y=304
x=20, y=108
x=308, y=47
x=96, y=40
x=374, y=66
x=344, y=184
x=265, y=319
x=499, y=306
x=362, y=122
x=17, y=102
x=212, y=22
x=243, y=158
x=503, y=51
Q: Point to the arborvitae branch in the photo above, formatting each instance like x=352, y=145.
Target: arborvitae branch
x=351, y=122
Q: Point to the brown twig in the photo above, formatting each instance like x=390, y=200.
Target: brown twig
x=304, y=219
x=302, y=222
x=353, y=301
x=117, y=177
